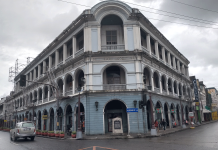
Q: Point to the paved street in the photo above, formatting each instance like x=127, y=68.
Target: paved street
x=201, y=138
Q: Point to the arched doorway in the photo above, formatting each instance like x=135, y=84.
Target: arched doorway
x=148, y=108
x=146, y=77
x=113, y=109
x=69, y=118
x=60, y=117
x=158, y=111
x=69, y=85
x=172, y=110
x=39, y=120
x=82, y=117
x=166, y=114
x=51, y=120
x=79, y=80
x=177, y=113
x=30, y=116
x=60, y=85
x=45, y=120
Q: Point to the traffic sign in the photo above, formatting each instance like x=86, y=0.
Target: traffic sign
x=5, y=120
x=44, y=117
x=132, y=110
x=191, y=115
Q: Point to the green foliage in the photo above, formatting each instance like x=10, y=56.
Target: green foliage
x=61, y=132
x=74, y=132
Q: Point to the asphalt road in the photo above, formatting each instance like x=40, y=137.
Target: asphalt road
x=201, y=138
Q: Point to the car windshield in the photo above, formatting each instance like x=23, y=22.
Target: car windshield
x=28, y=124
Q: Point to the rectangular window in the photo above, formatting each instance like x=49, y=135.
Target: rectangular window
x=111, y=37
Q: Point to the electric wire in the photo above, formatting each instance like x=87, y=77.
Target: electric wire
x=195, y=6
x=153, y=18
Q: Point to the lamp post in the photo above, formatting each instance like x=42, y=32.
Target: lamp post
x=183, y=125
x=153, y=129
x=79, y=132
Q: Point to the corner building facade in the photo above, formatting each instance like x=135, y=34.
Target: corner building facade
x=119, y=53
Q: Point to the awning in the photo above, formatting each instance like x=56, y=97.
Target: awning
x=206, y=111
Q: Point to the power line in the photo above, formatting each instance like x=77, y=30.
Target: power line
x=182, y=23
x=150, y=18
x=180, y=18
x=167, y=12
x=195, y=6
x=75, y=3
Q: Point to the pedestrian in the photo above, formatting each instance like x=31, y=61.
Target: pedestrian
x=164, y=124
x=156, y=124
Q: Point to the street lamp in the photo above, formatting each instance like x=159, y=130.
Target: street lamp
x=183, y=125
x=79, y=132
x=153, y=129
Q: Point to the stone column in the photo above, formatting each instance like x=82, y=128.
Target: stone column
x=34, y=74
x=148, y=43
x=74, y=46
x=156, y=49
x=56, y=58
x=163, y=55
x=174, y=62
x=137, y=37
x=44, y=66
x=178, y=64
x=63, y=88
x=161, y=88
x=50, y=61
x=169, y=118
x=49, y=88
x=183, y=69
x=152, y=83
x=169, y=59
x=187, y=72
x=39, y=70
x=27, y=78
x=73, y=88
x=64, y=53
x=30, y=76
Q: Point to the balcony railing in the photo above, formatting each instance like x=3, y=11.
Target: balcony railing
x=69, y=58
x=171, y=93
x=112, y=47
x=79, y=52
x=45, y=100
x=60, y=63
x=161, y=60
x=114, y=86
x=157, y=90
x=69, y=92
x=51, y=97
x=145, y=49
x=40, y=102
x=154, y=55
x=164, y=92
x=52, y=67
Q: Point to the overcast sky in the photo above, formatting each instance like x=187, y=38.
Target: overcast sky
x=28, y=26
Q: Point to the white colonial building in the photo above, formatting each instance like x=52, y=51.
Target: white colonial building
x=119, y=53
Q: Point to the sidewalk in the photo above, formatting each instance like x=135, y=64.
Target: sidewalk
x=147, y=135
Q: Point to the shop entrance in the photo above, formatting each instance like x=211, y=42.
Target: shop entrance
x=82, y=117
x=166, y=114
x=113, y=109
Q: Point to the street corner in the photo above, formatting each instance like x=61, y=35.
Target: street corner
x=97, y=148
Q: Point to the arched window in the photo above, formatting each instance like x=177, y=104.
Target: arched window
x=156, y=80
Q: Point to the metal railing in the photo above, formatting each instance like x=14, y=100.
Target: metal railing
x=171, y=93
x=52, y=67
x=60, y=63
x=69, y=58
x=79, y=52
x=164, y=92
x=161, y=60
x=69, y=92
x=154, y=55
x=112, y=47
x=41, y=76
x=157, y=90
x=45, y=100
x=145, y=49
x=40, y=102
x=114, y=86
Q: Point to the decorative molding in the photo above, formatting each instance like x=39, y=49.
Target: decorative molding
x=67, y=69
x=79, y=63
x=113, y=58
x=59, y=73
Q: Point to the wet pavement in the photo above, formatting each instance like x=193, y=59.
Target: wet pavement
x=203, y=137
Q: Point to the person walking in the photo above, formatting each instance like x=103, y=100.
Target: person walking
x=164, y=124
x=156, y=125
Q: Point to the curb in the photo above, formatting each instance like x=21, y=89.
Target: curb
x=48, y=137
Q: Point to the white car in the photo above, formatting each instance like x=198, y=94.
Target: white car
x=23, y=130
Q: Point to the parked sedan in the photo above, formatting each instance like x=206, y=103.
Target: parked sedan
x=23, y=130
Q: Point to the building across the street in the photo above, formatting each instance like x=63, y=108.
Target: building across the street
x=124, y=61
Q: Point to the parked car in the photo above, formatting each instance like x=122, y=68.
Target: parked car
x=23, y=130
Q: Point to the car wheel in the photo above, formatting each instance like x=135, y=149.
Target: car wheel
x=14, y=138
x=32, y=138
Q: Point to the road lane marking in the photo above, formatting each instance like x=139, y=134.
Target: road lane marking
x=94, y=148
x=14, y=143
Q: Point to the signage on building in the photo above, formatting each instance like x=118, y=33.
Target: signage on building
x=5, y=120
x=57, y=123
x=196, y=103
x=191, y=115
x=132, y=110
x=197, y=108
x=195, y=89
x=172, y=111
x=158, y=110
x=34, y=118
x=25, y=119
x=44, y=117
x=213, y=104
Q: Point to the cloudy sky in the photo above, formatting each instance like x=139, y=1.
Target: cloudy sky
x=28, y=26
